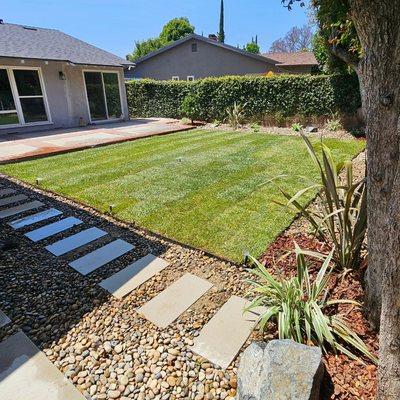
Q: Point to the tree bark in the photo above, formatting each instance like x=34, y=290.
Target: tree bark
x=378, y=26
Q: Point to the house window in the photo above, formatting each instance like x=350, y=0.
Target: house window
x=175, y=78
x=190, y=78
x=22, y=98
x=194, y=47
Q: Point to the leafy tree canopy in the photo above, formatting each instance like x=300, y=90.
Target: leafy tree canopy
x=252, y=47
x=173, y=30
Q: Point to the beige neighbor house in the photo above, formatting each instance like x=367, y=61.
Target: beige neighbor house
x=51, y=80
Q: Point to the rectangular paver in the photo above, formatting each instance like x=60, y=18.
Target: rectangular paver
x=73, y=242
x=27, y=374
x=167, y=306
x=223, y=336
x=13, y=199
x=102, y=256
x=33, y=219
x=9, y=212
x=6, y=192
x=51, y=229
x=4, y=320
x=131, y=277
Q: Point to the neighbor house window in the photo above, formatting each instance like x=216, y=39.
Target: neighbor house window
x=175, y=78
x=190, y=78
x=194, y=47
x=22, y=98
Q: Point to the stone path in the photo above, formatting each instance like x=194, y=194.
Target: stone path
x=223, y=336
x=26, y=373
x=220, y=339
x=52, y=229
x=75, y=241
x=6, y=192
x=35, y=218
x=134, y=275
x=4, y=320
x=166, y=307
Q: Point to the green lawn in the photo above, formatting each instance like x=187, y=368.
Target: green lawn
x=206, y=189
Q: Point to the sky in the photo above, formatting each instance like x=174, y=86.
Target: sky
x=115, y=25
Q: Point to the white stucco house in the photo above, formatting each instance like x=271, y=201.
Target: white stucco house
x=49, y=79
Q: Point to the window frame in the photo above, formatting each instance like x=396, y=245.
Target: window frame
x=190, y=78
x=175, y=78
x=103, y=71
x=18, y=107
x=194, y=46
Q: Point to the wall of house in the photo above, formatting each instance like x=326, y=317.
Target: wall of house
x=297, y=69
x=66, y=98
x=209, y=60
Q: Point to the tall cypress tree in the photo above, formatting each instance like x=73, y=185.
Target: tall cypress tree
x=221, y=33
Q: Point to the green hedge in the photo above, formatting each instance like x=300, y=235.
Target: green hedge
x=288, y=95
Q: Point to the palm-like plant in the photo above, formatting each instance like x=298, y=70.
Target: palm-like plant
x=339, y=215
x=298, y=305
x=236, y=114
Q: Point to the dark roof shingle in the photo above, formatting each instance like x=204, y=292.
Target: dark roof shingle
x=50, y=44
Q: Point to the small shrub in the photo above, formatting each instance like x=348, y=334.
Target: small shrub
x=339, y=216
x=297, y=127
x=255, y=128
x=333, y=124
x=186, y=121
x=235, y=114
x=190, y=107
x=300, y=306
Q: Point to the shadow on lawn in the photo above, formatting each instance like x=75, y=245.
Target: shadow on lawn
x=40, y=293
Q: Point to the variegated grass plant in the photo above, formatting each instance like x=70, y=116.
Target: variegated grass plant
x=339, y=215
x=299, y=306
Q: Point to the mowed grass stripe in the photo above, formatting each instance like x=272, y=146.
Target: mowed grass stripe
x=211, y=190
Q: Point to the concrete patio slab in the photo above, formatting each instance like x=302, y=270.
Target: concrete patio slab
x=20, y=146
x=4, y=320
x=131, y=277
x=26, y=373
x=167, y=306
x=13, y=199
x=9, y=212
x=51, y=229
x=6, y=192
x=223, y=336
x=35, y=218
x=75, y=241
x=102, y=256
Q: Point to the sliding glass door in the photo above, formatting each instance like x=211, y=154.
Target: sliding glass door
x=22, y=99
x=103, y=95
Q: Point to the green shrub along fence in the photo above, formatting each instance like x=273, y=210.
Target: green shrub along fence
x=287, y=95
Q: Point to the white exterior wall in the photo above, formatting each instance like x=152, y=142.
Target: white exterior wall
x=66, y=98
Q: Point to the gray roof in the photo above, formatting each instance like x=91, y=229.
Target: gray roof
x=20, y=41
x=207, y=40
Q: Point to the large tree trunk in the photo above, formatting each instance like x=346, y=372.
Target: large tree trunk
x=378, y=26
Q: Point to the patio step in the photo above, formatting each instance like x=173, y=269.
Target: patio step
x=26, y=373
x=33, y=219
x=167, y=306
x=135, y=274
x=222, y=337
x=6, y=191
x=100, y=257
x=9, y=212
x=4, y=320
x=51, y=229
x=75, y=241
x=13, y=199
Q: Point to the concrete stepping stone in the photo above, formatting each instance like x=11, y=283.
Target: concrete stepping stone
x=51, y=229
x=33, y=219
x=7, y=191
x=102, y=256
x=9, y=212
x=73, y=242
x=224, y=335
x=131, y=277
x=26, y=373
x=167, y=306
x=4, y=320
x=13, y=199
